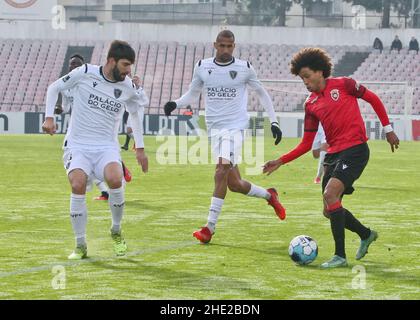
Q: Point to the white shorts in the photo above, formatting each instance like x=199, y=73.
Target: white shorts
x=319, y=139
x=92, y=162
x=227, y=144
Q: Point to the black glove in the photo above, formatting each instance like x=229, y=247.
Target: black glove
x=169, y=107
x=275, y=129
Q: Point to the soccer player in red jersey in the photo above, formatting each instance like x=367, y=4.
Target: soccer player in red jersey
x=333, y=103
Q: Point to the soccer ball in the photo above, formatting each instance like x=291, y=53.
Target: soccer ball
x=303, y=249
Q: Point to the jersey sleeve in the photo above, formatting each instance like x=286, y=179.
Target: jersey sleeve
x=194, y=91
x=64, y=83
x=353, y=88
x=311, y=124
x=256, y=85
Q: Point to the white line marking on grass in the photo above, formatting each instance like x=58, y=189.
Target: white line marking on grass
x=92, y=260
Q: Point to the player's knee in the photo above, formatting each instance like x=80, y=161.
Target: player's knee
x=114, y=182
x=329, y=196
x=222, y=171
x=234, y=186
x=78, y=186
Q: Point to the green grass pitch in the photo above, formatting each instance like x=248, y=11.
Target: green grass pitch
x=247, y=258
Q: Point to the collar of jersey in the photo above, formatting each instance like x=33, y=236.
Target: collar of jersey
x=321, y=93
x=224, y=65
x=103, y=76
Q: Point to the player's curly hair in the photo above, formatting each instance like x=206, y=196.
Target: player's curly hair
x=315, y=59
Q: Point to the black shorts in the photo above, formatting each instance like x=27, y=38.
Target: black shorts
x=346, y=166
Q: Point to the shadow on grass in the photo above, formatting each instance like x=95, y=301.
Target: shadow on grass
x=208, y=282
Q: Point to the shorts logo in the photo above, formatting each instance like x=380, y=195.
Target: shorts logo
x=345, y=166
x=117, y=93
x=233, y=74
x=335, y=94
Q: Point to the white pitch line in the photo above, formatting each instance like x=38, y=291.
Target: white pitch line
x=92, y=260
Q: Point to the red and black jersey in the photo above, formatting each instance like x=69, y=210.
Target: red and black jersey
x=337, y=109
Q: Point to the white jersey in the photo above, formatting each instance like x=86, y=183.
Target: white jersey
x=98, y=106
x=319, y=138
x=66, y=100
x=224, y=88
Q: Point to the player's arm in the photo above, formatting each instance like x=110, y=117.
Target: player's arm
x=135, y=107
x=310, y=130
x=190, y=97
x=66, y=82
x=362, y=92
x=265, y=100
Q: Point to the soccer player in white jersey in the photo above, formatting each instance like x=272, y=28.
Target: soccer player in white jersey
x=319, y=149
x=75, y=61
x=224, y=80
x=101, y=94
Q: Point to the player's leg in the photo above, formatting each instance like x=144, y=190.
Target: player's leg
x=237, y=184
x=335, y=212
x=78, y=212
x=126, y=172
x=109, y=166
x=77, y=168
x=221, y=150
x=338, y=180
x=113, y=177
x=129, y=131
x=128, y=137
x=103, y=188
x=204, y=235
x=349, y=170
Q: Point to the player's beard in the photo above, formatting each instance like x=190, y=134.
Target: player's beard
x=225, y=58
x=117, y=74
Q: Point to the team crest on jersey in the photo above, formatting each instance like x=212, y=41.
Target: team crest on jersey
x=117, y=93
x=95, y=84
x=233, y=74
x=65, y=79
x=335, y=94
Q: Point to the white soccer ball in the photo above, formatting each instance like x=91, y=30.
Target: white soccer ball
x=303, y=249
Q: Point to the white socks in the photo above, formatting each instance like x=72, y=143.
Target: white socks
x=214, y=212
x=101, y=185
x=116, y=204
x=258, y=192
x=78, y=216
x=321, y=164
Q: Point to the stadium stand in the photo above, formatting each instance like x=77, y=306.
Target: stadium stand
x=166, y=70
